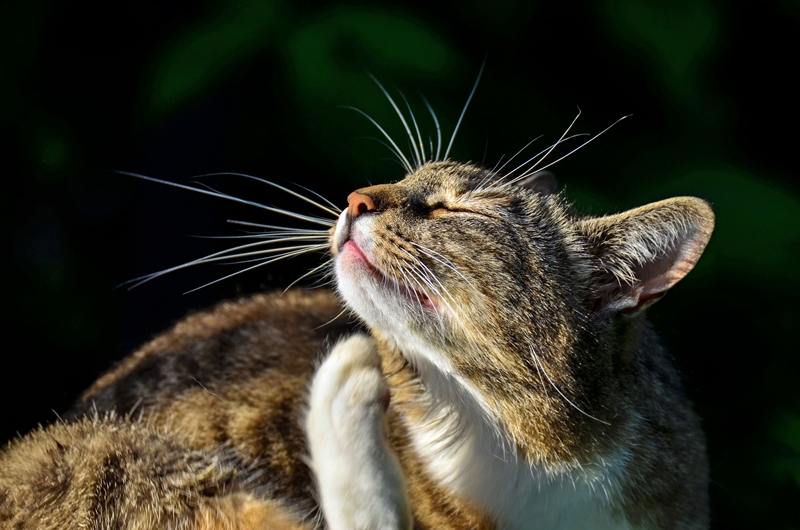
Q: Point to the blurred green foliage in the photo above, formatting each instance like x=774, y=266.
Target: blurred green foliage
x=177, y=89
x=208, y=50
x=676, y=38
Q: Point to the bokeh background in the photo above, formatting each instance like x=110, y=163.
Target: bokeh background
x=176, y=89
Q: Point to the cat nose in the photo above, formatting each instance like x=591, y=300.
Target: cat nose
x=358, y=203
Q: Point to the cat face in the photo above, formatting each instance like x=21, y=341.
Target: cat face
x=501, y=286
x=454, y=258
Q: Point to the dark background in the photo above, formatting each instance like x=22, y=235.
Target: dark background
x=176, y=89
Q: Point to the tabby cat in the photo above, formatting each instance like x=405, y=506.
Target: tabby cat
x=501, y=373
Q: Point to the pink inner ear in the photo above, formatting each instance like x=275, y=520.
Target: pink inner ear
x=655, y=278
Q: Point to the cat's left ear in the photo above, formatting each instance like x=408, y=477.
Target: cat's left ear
x=541, y=182
x=640, y=254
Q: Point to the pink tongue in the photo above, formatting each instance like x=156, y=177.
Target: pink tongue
x=423, y=298
x=426, y=301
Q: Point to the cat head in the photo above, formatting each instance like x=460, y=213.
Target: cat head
x=456, y=255
x=497, y=283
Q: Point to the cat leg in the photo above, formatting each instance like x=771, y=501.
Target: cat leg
x=360, y=483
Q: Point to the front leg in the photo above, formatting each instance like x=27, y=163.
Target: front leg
x=360, y=482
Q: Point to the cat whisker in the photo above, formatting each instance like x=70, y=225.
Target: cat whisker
x=539, y=372
x=444, y=294
x=426, y=285
x=220, y=261
x=226, y=255
x=324, y=280
x=500, y=169
x=437, y=256
x=330, y=203
x=313, y=271
x=424, y=157
x=546, y=151
x=307, y=218
x=410, y=279
x=418, y=287
x=438, y=130
x=261, y=264
x=538, y=361
x=312, y=240
x=530, y=170
x=342, y=312
x=396, y=150
x=270, y=236
x=396, y=158
x=209, y=188
x=464, y=110
x=414, y=151
x=334, y=211
x=423, y=275
x=561, y=139
x=411, y=283
x=280, y=228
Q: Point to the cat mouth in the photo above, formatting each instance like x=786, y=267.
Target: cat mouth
x=415, y=296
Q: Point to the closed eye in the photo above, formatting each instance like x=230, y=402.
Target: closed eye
x=438, y=210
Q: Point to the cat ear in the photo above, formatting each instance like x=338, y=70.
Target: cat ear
x=643, y=252
x=542, y=182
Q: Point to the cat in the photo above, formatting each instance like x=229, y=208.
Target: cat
x=501, y=373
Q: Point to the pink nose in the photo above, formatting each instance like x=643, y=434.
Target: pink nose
x=358, y=204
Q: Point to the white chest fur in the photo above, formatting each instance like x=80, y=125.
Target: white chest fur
x=466, y=452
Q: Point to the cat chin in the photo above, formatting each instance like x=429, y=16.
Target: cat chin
x=378, y=300
x=354, y=264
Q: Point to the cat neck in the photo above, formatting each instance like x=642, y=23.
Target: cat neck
x=464, y=448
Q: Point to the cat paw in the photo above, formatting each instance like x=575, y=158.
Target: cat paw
x=349, y=395
x=361, y=485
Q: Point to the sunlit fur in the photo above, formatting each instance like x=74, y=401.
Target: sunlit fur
x=525, y=381
x=526, y=388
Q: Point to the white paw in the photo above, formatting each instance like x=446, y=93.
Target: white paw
x=360, y=481
x=348, y=392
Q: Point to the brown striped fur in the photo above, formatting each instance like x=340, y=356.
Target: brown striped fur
x=201, y=428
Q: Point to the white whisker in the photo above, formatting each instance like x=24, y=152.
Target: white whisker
x=396, y=150
x=424, y=274
x=437, y=256
x=438, y=130
x=327, y=263
x=464, y=110
x=500, y=169
x=342, y=312
x=423, y=157
x=546, y=151
x=331, y=204
x=334, y=212
x=286, y=250
x=307, y=218
x=308, y=240
x=550, y=150
x=221, y=256
x=282, y=228
x=541, y=366
x=415, y=152
x=270, y=237
x=584, y=144
x=265, y=262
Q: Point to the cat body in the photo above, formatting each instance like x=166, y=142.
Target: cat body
x=503, y=376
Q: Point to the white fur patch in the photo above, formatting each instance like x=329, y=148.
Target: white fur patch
x=460, y=441
x=465, y=451
x=361, y=486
